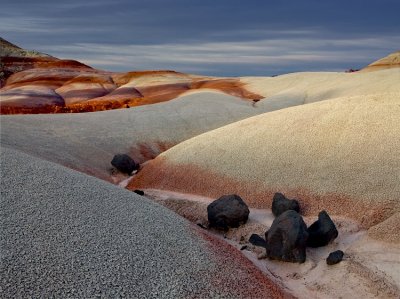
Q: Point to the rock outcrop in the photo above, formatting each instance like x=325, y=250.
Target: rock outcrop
x=139, y=192
x=287, y=238
x=124, y=163
x=257, y=240
x=322, y=231
x=281, y=204
x=335, y=257
x=227, y=211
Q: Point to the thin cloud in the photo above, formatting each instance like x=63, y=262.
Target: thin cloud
x=268, y=53
x=226, y=37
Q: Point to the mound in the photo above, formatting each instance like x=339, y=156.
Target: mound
x=64, y=234
x=387, y=230
x=84, y=89
x=303, y=88
x=339, y=155
x=88, y=141
x=390, y=61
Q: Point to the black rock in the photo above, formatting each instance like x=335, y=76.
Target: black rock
x=322, y=231
x=257, y=240
x=335, y=257
x=281, y=204
x=124, y=163
x=227, y=211
x=140, y=192
x=287, y=238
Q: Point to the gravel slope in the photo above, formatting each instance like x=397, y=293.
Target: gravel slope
x=67, y=235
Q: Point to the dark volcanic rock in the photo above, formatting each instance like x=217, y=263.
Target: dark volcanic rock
x=287, y=238
x=124, y=163
x=281, y=204
x=140, y=192
x=335, y=257
x=227, y=211
x=257, y=240
x=322, y=231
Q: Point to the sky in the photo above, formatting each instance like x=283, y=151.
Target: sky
x=218, y=37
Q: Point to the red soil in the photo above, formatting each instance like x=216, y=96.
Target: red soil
x=233, y=87
x=249, y=281
x=159, y=174
x=143, y=152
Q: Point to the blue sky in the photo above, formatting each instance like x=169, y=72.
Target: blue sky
x=220, y=37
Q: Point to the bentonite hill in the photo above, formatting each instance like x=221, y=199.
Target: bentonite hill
x=72, y=227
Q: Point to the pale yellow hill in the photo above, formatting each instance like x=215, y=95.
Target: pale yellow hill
x=308, y=87
x=341, y=155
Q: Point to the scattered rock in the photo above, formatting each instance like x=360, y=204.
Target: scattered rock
x=140, y=192
x=257, y=240
x=287, y=238
x=199, y=224
x=227, y=211
x=243, y=247
x=124, y=163
x=281, y=204
x=335, y=257
x=322, y=231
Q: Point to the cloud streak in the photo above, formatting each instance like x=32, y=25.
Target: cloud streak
x=290, y=54
x=225, y=37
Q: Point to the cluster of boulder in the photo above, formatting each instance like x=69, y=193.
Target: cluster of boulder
x=288, y=236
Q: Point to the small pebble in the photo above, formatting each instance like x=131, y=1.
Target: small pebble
x=335, y=257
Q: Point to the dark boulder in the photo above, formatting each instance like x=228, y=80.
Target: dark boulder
x=281, y=204
x=227, y=211
x=287, y=238
x=335, y=257
x=257, y=240
x=140, y=192
x=124, y=163
x=322, y=231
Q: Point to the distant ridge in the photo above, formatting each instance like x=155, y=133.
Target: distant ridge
x=14, y=59
x=387, y=62
x=8, y=49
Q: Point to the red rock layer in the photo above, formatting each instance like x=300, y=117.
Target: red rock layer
x=160, y=174
x=79, y=88
x=11, y=65
x=230, y=86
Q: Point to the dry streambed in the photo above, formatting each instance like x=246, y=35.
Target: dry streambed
x=369, y=269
